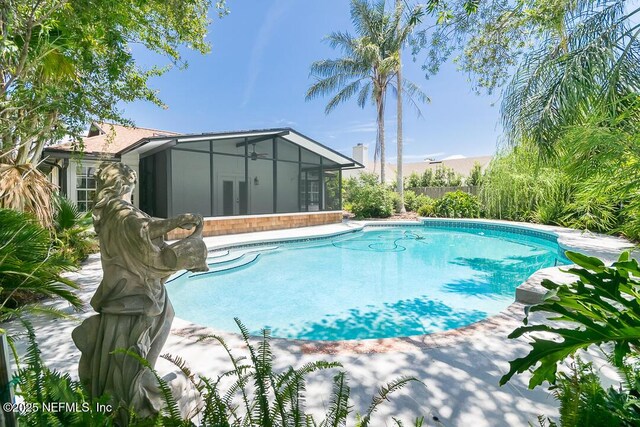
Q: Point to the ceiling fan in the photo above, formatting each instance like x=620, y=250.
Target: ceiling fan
x=256, y=156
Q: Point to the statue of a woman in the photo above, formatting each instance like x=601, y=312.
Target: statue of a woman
x=134, y=311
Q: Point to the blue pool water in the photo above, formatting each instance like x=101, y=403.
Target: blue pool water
x=377, y=283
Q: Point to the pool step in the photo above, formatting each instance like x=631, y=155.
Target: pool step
x=236, y=255
x=226, y=260
x=217, y=254
x=239, y=262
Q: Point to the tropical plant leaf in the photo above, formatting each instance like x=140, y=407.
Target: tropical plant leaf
x=604, y=306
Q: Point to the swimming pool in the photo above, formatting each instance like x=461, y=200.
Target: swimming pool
x=377, y=283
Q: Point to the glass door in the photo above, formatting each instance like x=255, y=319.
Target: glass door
x=232, y=196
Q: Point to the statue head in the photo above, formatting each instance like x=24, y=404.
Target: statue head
x=114, y=180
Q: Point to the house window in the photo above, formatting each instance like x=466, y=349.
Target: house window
x=314, y=192
x=85, y=187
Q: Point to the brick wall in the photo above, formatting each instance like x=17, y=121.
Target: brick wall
x=216, y=226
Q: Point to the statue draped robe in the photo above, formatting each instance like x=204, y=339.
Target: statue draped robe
x=134, y=311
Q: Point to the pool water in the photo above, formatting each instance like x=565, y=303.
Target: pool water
x=377, y=283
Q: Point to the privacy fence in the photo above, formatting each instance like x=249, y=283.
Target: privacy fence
x=437, y=192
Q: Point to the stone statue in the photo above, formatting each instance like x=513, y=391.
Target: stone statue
x=134, y=311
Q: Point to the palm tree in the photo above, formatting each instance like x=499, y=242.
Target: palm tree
x=369, y=64
x=399, y=180
x=403, y=31
x=593, y=65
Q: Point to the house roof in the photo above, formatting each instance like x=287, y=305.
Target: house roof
x=109, y=139
x=149, y=145
x=462, y=166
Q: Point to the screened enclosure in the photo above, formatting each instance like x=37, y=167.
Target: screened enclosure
x=238, y=176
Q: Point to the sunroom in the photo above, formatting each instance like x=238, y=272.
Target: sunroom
x=241, y=173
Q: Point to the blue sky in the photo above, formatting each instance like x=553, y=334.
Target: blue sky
x=257, y=74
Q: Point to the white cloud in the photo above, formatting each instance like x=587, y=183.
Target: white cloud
x=264, y=35
x=362, y=127
x=287, y=123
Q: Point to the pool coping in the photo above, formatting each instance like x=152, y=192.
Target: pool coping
x=529, y=292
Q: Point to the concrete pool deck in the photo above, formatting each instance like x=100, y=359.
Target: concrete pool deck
x=460, y=369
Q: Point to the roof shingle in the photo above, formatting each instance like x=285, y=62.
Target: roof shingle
x=111, y=138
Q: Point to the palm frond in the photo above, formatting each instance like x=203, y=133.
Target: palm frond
x=343, y=95
x=342, y=40
x=24, y=188
x=595, y=66
x=29, y=266
x=364, y=95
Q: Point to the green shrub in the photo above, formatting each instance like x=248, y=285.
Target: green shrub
x=410, y=200
x=38, y=385
x=519, y=185
x=74, y=236
x=595, y=213
x=30, y=268
x=370, y=199
x=413, y=181
x=426, y=180
x=584, y=402
x=413, y=201
x=550, y=212
x=427, y=207
x=457, y=204
x=475, y=176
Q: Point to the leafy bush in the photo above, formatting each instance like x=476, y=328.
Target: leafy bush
x=589, y=181
x=74, y=236
x=589, y=212
x=368, y=198
x=475, y=176
x=602, y=158
x=457, y=204
x=413, y=201
x=519, y=185
x=410, y=200
x=602, y=304
x=442, y=177
x=584, y=402
x=601, y=308
x=426, y=180
x=550, y=212
x=30, y=268
x=38, y=385
x=427, y=208
x=413, y=181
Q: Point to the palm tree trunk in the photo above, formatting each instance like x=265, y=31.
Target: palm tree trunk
x=399, y=177
x=380, y=135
